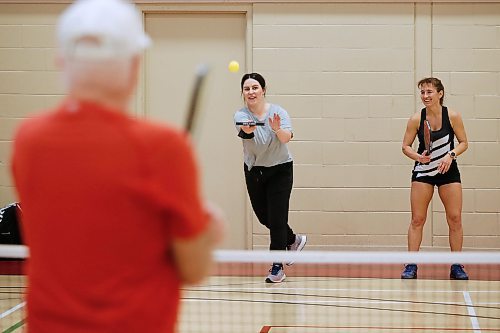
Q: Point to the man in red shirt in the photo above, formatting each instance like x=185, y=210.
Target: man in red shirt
x=112, y=210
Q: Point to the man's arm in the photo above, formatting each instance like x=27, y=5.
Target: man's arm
x=193, y=257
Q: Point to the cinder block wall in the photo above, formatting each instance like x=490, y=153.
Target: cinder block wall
x=466, y=55
x=346, y=73
x=29, y=80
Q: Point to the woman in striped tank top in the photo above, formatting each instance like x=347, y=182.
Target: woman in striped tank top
x=437, y=167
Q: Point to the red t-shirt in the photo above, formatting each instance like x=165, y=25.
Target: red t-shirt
x=103, y=196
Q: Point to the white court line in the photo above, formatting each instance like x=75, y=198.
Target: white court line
x=472, y=312
x=11, y=310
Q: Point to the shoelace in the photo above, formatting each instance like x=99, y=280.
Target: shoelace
x=275, y=269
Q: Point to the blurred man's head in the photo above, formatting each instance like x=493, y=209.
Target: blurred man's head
x=100, y=43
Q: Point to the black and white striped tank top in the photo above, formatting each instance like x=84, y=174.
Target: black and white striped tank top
x=443, y=141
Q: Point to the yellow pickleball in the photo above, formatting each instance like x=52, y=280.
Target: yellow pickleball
x=233, y=66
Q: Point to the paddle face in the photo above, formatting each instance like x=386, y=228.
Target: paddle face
x=249, y=123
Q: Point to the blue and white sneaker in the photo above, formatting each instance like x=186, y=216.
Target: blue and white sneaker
x=410, y=272
x=276, y=274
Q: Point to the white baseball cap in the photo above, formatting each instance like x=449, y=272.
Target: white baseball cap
x=101, y=29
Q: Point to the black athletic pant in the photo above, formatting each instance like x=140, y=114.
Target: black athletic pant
x=269, y=189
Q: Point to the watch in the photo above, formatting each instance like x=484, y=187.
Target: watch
x=453, y=155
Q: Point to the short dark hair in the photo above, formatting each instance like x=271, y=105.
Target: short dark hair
x=436, y=83
x=256, y=76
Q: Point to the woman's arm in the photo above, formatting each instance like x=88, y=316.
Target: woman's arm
x=284, y=135
x=458, y=127
x=409, y=138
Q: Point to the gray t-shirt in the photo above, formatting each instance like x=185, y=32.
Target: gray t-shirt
x=264, y=149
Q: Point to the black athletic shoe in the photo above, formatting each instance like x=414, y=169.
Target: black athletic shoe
x=457, y=272
x=410, y=271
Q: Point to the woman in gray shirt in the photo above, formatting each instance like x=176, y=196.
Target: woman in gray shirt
x=265, y=130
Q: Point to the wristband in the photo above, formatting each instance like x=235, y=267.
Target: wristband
x=244, y=135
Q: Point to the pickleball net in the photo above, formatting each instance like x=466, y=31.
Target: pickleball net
x=323, y=292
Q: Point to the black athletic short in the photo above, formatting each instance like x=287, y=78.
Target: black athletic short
x=452, y=176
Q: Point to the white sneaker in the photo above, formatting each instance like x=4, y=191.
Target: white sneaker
x=298, y=245
x=276, y=274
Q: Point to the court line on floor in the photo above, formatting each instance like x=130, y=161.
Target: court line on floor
x=12, y=310
x=268, y=289
x=323, y=304
x=267, y=328
x=14, y=327
x=472, y=312
x=338, y=298
x=297, y=302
